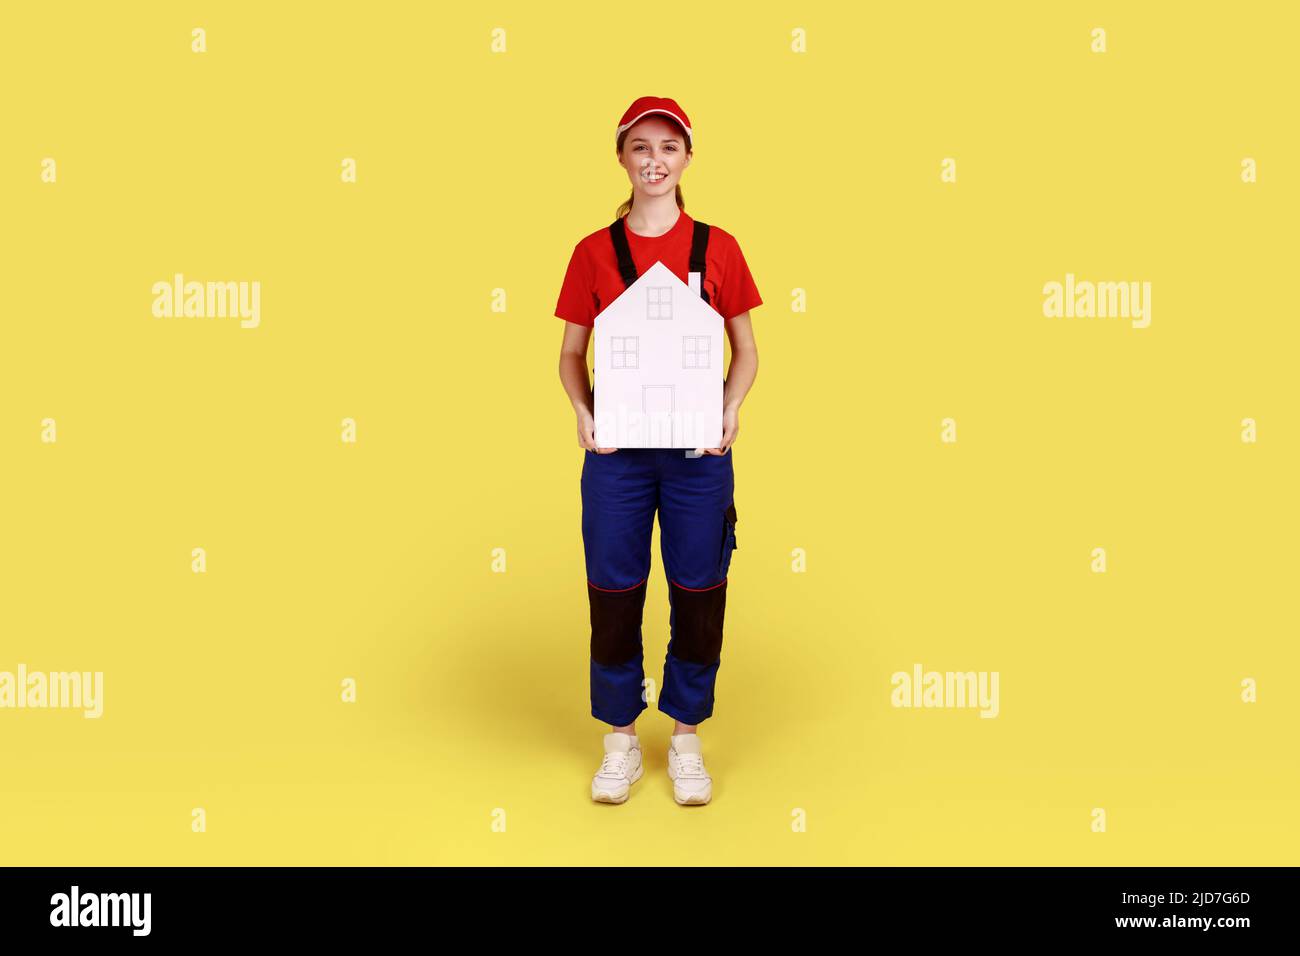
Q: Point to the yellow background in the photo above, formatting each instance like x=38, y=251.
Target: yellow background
x=479, y=171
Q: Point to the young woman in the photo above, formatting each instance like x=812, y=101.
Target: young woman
x=622, y=489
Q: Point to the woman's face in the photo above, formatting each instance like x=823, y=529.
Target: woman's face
x=654, y=155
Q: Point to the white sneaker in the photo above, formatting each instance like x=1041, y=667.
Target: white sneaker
x=691, y=783
x=619, y=770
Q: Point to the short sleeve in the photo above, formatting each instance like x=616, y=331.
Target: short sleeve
x=577, y=301
x=738, y=292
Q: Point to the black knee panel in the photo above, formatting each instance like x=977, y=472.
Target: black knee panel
x=697, y=622
x=615, y=623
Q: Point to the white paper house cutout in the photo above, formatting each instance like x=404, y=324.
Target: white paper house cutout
x=658, y=366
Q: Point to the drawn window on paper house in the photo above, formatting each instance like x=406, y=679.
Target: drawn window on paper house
x=695, y=351
x=658, y=302
x=623, y=351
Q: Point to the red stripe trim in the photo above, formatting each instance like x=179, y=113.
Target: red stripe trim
x=718, y=585
x=632, y=588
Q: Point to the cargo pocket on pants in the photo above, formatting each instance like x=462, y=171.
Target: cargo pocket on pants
x=728, y=539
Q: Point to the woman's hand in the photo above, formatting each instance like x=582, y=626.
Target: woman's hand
x=730, y=426
x=587, y=433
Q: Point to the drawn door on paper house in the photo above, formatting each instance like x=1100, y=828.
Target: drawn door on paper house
x=657, y=403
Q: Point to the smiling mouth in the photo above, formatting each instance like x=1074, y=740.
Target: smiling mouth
x=654, y=177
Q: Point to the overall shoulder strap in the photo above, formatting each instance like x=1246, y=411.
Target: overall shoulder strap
x=626, y=267
x=699, y=246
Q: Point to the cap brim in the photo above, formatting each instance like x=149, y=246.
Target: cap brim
x=661, y=112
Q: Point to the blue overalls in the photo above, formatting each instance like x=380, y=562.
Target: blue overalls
x=621, y=491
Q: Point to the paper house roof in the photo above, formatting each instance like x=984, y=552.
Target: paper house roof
x=658, y=366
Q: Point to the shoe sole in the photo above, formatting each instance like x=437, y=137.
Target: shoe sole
x=692, y=799
x=600, y=796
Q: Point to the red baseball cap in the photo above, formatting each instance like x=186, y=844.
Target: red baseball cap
x=648, y=105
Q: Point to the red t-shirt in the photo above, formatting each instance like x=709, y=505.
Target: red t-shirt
x=592, y=280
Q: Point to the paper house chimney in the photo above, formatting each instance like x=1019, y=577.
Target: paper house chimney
x=658, y=366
